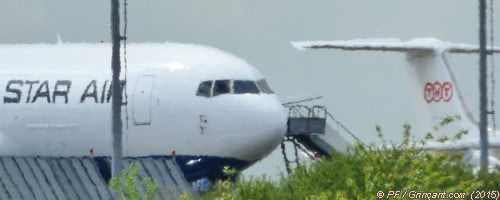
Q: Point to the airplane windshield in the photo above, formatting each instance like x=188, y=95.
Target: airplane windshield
x=218, y=87
x=221, y=87
x=264, y=87
x=204, y=89
x=243, y=87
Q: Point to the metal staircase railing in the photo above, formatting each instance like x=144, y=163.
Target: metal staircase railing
x=309, y=131
x=304, y=120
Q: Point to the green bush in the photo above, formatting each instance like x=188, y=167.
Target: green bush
x=366, y=170
x=127, y=187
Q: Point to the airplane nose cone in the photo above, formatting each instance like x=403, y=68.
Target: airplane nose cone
x=268, y=129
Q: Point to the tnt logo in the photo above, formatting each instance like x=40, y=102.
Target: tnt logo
x=437, y=91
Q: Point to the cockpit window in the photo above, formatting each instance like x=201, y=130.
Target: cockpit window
x=264, y=88
x=244, y=87
x=204, y=89
x=222, y=87
x=217, y=87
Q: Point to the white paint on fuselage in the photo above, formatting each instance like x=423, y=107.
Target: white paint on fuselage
x=245, y=126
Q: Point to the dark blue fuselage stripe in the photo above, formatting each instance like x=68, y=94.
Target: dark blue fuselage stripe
x=193, y=167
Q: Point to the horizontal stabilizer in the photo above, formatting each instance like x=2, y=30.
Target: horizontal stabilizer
x=392, y=44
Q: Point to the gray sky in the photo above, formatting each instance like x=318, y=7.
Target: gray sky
x=360, y=88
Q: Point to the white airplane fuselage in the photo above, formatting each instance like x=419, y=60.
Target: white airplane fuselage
x=55, y=100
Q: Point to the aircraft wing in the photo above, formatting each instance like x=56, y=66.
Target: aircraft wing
x=462, y=144
x=459, y=145
x=470, y=148
x=391, y=44
x=471, y=151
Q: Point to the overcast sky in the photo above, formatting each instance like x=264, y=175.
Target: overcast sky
x=360, y=88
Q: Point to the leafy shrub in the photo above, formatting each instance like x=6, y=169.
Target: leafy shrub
x=127, y=187
x=367, y=169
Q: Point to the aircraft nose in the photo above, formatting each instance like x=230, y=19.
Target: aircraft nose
x=268, y=129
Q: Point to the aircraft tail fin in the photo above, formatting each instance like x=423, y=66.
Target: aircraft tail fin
x=436, y=91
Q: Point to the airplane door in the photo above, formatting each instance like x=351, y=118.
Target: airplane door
x=142, y=100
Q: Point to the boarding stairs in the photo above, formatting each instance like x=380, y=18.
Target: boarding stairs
x=310, y=129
